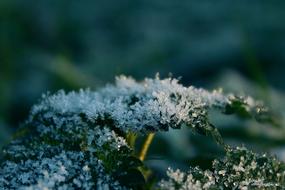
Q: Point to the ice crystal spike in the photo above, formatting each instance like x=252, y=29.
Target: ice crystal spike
x=76, y=140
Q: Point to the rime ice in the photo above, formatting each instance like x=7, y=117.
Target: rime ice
x=240, y=169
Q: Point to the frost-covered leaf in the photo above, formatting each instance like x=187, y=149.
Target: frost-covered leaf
x=239, y=169
x=246, y=107
x=86, y=131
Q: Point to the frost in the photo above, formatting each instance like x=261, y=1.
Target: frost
x=240, y=169
x=77, y=139
x=194, y=180
x=150, y=105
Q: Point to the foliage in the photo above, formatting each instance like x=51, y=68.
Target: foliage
x=240, y=169
x=80, y=139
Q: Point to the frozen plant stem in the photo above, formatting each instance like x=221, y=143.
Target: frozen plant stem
x=146, y=145
x=131, y=139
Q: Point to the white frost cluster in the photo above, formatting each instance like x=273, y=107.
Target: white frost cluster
x=240, y=169
x=150, y=105
x=40, y=166
x=68, y=170
x=179, y=180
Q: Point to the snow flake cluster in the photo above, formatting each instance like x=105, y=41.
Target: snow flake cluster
x=195, y=179
x=150, y=105
x=240, y=169
x=48, y=173
x=44, y=163
x=77, y=139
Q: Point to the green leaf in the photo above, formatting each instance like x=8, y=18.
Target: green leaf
x=238, y=106
x=210, y=130
x=132, y=178
x=131, y=162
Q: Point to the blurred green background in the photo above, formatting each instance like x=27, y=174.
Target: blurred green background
x=47, y=45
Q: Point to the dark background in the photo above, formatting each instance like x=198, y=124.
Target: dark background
x=47, y=45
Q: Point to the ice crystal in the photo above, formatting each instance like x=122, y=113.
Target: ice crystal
x=240, y=169
x=150, y=105
x=195, y=179
x=77, y=139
